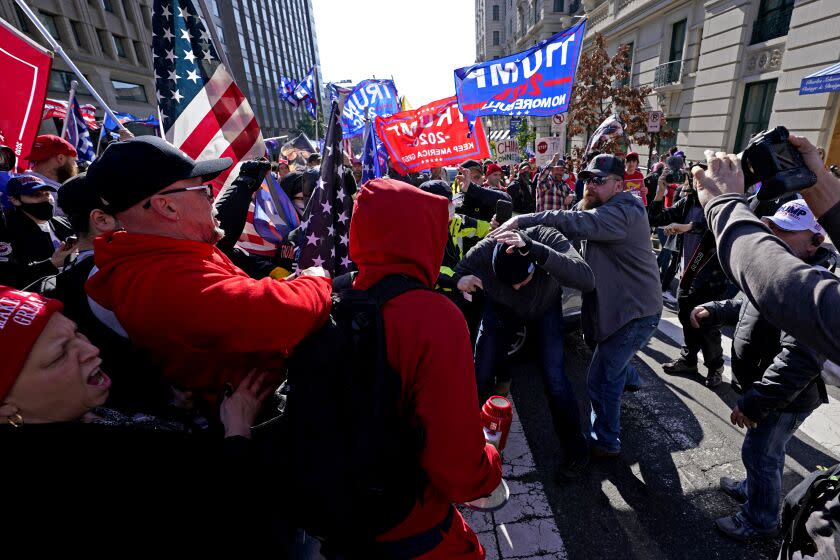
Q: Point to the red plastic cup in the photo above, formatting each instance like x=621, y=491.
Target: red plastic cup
x=496, y=417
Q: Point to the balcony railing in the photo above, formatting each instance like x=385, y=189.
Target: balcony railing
x=772, y=25
x=668, y=73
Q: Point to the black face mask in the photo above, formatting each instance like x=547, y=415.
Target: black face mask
x=38, y=210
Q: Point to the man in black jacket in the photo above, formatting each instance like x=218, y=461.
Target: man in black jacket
x=522, y=275
x=32, y=241
x=702, y=280
x=520, y=190
x=478, y=202
x=780, y=381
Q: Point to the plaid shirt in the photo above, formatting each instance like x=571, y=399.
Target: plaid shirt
x=551, y=193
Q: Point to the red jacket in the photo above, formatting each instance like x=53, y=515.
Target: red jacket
x=399, y=229
x=204, y=321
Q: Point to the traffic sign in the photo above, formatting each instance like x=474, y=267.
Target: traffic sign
x=558, y=122
x=654, y=121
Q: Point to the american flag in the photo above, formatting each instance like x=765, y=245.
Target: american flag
x=57, y=108
x=202, y=110
x=325, y=230
x=78, y=134
x=374, y=156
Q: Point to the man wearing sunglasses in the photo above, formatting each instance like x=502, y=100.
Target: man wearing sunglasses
x=203, y=321
x=623, y=311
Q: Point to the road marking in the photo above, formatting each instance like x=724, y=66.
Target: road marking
x=823, y=425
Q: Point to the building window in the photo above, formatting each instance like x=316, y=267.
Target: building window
x=628, y=66
x=140, y=51
x=108, y=5
x=495, y=38
x=773, y=20
x=215, y=4
x=49, y=22
x=127, y=10
x=78, y=33
x=103, y=41
x=495, y=12
x=665, y=144
x=677, y=41
x=60, y=81
x=127, y=91
x=119, y=45
x=558, y=5
x=755, y=111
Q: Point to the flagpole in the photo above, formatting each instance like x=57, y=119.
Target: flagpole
x=317, y=100
x=60, y=51
x=73, y=85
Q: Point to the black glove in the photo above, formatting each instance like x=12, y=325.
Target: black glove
x=529, y=243
x=253, y=171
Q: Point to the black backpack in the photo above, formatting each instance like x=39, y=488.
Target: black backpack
x=811, y=517
x=352, y=467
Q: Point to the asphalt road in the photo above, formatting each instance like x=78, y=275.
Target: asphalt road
x=660, y=498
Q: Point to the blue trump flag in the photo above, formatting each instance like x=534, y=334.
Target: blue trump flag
x=78, y=134
x=365, y=101
x=374, y=156
x=534, y=82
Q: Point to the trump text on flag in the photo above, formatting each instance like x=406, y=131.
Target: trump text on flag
x=534, y=82
x=433, y=135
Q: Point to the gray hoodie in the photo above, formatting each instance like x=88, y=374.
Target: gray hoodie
x=620, y=254
x=791, y=294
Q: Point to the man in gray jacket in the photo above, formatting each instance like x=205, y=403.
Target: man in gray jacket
x=779, y=378
x=790, y=294
x=522, y=275
x=623, y=311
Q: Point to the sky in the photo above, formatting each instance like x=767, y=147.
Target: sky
x=419, y=42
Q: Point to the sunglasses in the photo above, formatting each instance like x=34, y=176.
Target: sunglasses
x=596, y=180
x=208, y=189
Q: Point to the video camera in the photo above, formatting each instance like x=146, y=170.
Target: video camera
x=674, y=172
x=771, y=159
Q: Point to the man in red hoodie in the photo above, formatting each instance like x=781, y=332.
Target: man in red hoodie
x=429, y=345
x=203, y=321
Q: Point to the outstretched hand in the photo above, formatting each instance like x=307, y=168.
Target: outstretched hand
x=239, y=410
x=724, y=176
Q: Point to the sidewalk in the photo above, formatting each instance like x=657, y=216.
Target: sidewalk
x=525, y=527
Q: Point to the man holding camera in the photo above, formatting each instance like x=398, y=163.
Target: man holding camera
x=623, y=311
x=779, y=378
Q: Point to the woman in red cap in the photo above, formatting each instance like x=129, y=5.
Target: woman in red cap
x=83, y=473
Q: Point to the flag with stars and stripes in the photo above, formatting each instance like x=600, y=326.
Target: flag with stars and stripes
x=202, y=110
x=374, y=156
x=325, y=230
x=78, y=134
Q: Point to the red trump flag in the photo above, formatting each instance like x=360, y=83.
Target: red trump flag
x=26, y=70
x=433, y=135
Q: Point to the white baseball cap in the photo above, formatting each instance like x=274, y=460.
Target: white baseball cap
x=796, y=216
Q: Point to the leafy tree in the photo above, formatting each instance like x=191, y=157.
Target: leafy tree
x=525, y=137
x=603, y=87
x=306, y=124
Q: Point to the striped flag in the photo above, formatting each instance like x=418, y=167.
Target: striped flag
x=78, y=134
x=202, y=110
x=57, y=108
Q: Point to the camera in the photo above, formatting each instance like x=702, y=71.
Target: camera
x=674, y=172
x=771, y=159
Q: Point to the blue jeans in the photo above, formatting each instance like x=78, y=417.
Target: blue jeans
x=609, y=372
x=763, y=454
x=498, y=324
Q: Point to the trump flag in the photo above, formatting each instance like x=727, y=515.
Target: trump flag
x=26, y=71
x=534, y=82
x=433, y=135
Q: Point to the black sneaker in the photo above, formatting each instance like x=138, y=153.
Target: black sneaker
x=732, y=488
x=679, y=367
x=571, y=470
x=714, y=378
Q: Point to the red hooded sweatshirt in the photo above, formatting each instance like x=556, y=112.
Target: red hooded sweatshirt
x=204, y=321
x=399, y=229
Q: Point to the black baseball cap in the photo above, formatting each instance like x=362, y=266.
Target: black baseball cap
x=77, y=198
x=314, y=158
x=438, y=187
x=511, y=268
x=470, y=163
x=129, y=172
x=603, y=165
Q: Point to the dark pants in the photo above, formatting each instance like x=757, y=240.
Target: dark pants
x=498, y=324
x=706, y=339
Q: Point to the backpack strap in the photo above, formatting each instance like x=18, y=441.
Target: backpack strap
x=392, y=286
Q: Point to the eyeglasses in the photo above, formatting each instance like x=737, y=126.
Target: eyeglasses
x=207, y=189
x=596, y=180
